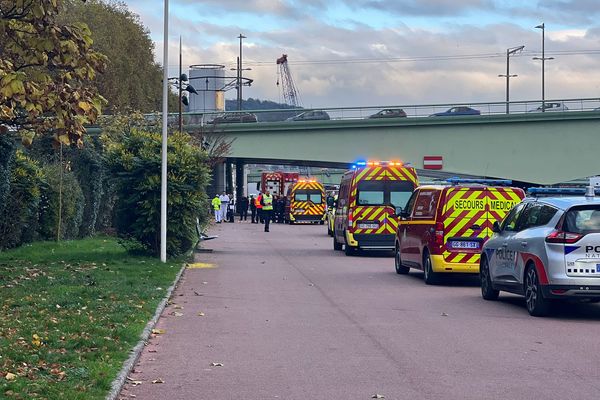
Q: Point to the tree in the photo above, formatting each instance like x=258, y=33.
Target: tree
x=45, y=72
x=132, y=79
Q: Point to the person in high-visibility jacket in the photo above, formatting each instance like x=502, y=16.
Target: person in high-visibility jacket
x=267, y=208
x=259, y=207
x=216, y=205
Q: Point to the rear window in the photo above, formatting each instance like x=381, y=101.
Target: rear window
x=311, y=195
x=583, y=219
x=377, y=193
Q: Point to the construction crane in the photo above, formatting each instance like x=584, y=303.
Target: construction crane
x=290, y=94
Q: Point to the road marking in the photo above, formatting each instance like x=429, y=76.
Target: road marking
x=201, y=265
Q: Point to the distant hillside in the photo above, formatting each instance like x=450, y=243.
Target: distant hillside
x=256, y=104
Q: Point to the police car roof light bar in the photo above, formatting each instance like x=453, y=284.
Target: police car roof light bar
x=498, y=182
x=557, y=191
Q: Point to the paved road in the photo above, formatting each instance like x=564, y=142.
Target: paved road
x=289, y=318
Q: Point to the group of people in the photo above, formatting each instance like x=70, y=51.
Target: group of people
x=264, y=208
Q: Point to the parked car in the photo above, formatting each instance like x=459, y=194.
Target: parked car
x=232, y=118
x=454, y=111
x=314, y=115
x=443, y=228
x=389, y=113
x=550, y=107
x=546, y=249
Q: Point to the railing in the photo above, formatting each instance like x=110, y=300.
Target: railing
x=412, y=111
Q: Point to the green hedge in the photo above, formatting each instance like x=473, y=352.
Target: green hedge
x=135, y=161
x=7, y=145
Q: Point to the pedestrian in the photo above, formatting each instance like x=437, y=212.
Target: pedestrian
x=252, y=202
x=243, y=208
x=231, y=211
x=259, y=207
x=224, y=205
x=216, y=205
x=267, y=208
x=280, y=206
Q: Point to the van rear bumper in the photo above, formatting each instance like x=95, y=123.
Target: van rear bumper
x=374, y=242
x=306, y=218
x=438, y=264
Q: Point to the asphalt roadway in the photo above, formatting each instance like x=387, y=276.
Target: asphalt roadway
x=281, y=315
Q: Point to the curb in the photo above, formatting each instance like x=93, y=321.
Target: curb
x=128, y=365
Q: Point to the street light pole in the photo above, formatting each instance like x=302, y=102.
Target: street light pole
x=542, y=26
x=180, y=88
x=239, y=82
x=509, y=52
x=165, y=110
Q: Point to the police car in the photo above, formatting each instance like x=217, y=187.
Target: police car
x=547, y=248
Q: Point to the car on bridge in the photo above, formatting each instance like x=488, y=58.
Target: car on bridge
x=551, y=107
x=456, y=111
x=313, y=115
x=233, y=118
x=389, y=113
x=546, y=249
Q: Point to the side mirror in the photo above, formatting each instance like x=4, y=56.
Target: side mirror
x=496, y=227
x=404, y=214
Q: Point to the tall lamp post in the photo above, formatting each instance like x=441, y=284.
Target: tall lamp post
x=239, y=81
x=509, y=52
x=542, y=26
x=165, y=110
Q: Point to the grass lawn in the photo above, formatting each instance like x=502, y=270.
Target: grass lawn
x=70, y=314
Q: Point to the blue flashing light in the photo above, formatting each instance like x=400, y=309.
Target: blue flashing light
x=498, y=182
x=361, y=163
x=557, y=191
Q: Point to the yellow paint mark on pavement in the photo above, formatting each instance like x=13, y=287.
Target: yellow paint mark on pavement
x=201, y=265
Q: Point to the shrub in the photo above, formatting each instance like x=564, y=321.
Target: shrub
x=72, y=205
x=7, y=153
x=135, y=160
x=18, y=220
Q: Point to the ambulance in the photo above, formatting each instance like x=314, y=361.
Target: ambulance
x=306, y=202
x=443, y=227
x=371, y=196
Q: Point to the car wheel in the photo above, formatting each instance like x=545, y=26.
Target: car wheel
x=400, y=269
x=430, y=277
x=537, y=305
x=349, y=250
x=487, y=290
x=336, y=246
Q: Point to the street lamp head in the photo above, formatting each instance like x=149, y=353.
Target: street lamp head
x=183, y=77
x=191, y=89
x=540, y=26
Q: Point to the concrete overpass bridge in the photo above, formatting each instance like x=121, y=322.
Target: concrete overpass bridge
x=533, y=147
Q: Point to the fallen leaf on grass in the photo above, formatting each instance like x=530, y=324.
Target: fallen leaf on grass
x=158, y=381
x=216, y=364
x=37, y=341
x=10, y=376
x=158, y=331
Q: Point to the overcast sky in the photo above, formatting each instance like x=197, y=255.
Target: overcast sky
x=395, y=52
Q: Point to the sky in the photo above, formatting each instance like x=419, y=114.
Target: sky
x=346, y=53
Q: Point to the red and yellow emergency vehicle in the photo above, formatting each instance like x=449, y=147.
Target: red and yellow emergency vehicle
x=306, y=202
x=443, y=228
x=370, y=197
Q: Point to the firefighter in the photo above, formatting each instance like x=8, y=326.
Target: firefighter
x=216, y=204
x=267, y=208
x=243, y=208
x=280, y=209
x=259, y=207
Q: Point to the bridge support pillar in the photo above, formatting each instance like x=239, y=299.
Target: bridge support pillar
x=218, y=182
x=239, y=181
x=228, y=178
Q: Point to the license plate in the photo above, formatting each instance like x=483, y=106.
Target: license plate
x=464, y=245
x=368, y=226
x=299, y=210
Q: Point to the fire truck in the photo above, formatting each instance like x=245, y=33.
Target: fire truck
x=278, y=183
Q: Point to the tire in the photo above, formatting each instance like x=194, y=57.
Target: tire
x=536, y=304
x=349, y=250
x=400, y=269
x=321, y=222
x=430, y=277
x=336, y=246
x=487, y=290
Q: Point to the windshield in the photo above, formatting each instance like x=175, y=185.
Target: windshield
x=583, y=219
x=378, y=193
x=312, y=195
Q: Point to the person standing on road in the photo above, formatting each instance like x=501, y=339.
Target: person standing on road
x=243, y=208
x=224, y=205
x=253, y=209
x=216, y=205
x=267, y=208
x=259, y=207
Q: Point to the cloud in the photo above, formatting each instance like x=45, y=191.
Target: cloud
x=425, y=7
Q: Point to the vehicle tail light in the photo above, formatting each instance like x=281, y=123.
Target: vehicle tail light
x=439, y=233
x=563, y=237
x=350, y=221
x=558, y=291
